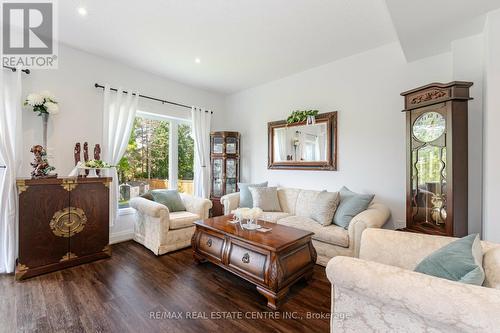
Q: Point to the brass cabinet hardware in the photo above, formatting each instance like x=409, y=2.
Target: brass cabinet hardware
x=68, y=256
x=21, y=186
x=68, y=222
x=209, y=242
x=69, y=184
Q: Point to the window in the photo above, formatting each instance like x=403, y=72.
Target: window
x=149, y=160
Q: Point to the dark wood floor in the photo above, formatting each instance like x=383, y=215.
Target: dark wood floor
x=122, y=293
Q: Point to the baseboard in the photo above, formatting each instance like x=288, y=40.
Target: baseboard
x=121, y=236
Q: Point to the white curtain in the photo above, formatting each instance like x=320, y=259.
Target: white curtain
x=10, y=156
x=201, y=134
x=118, y=118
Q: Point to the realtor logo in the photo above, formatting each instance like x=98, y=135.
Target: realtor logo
x=29, y=34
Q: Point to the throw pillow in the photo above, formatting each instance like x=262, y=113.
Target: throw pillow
x=169, y=198
x=246, y=200
x=266, y=198
x=147, y=196
x=324, y=207
x=460, y=261
x=351, y=204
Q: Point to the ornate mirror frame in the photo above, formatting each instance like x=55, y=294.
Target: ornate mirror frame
x=330, y=118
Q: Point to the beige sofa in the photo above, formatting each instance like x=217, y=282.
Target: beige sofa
x=162, y=231
x=330, y=241
x=381, y=292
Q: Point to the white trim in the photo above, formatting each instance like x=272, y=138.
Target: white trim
x=121, y=236
x=126, y=211
x=156, y=116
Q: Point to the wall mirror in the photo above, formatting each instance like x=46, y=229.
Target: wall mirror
x=301, y=146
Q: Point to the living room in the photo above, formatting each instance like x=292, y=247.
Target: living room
x=271, y=166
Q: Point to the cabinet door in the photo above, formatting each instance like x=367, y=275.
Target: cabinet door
x=217, y=177
x=89, y=205
x=231, y=175
x=232, y=145
x=43, y=234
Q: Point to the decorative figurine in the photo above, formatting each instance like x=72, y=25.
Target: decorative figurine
x=77, y=152
x=86, y=155
x=97, y=156
x=41, y=166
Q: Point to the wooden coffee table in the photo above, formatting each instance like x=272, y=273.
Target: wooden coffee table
x=273, y=261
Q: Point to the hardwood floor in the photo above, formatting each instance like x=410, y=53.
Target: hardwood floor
x=135, y=291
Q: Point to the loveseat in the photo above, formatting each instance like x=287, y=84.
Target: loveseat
x=379, y=291
x=329, y=241
x=163, y=231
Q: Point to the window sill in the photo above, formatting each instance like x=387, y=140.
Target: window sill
x=126, y=211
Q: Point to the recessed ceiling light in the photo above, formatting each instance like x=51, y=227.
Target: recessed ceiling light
x=197, y=60
x=82, y=11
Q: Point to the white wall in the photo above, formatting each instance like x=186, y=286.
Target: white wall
x=491, y=216
x=365, y=90
x=81, y=106
x=468, y=54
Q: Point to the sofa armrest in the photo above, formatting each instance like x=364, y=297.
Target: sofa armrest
x=461, y=307
x=195, y=205
x=149, y=207
x=230, y=202
x=375, y=216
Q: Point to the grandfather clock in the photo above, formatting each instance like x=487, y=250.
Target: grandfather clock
x=436, y=136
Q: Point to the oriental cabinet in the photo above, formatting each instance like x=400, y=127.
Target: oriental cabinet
x=63, y=222
x=437, y=152
x=225, y=164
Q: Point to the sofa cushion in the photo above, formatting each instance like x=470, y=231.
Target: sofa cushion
x=305, y=202
x=351, y=204
x=265, y=198
x=461, y=261
x=169, y=198
x=324, y=207
x=491, y=266
x=288, y=199
x=246, y=200
x=331, y=234
x=179, y=220
x=272, y=216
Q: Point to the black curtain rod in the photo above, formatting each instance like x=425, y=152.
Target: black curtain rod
x=27, y=71
x=97, y=85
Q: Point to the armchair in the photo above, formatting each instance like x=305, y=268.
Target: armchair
x=381, y=292
x=162, y=231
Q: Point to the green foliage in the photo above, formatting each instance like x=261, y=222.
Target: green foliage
x=147, y=153
x=186, y=153
x=299, y=116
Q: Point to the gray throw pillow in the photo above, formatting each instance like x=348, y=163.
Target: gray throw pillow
x=266, y=198
x=351, y=204
x=461, y=261
x=245, y=195
x=169, y=198
x=324, y=207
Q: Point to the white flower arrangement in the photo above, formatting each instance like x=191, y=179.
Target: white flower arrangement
x=43, y=103
x=248, y=213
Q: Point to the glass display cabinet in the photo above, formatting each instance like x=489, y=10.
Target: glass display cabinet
x=437, y=152
x=225, y=164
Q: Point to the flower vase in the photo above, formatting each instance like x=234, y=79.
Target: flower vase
x=45, y=121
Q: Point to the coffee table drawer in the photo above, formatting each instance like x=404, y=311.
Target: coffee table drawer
x=248, y=260
x=211, y=244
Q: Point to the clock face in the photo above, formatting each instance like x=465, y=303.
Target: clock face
x=429, y=126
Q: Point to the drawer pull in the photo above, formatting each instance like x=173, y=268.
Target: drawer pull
x=209, y=242
x=246, y=258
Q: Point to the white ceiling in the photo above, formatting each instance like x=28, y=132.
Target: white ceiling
x=427, y=27
x=243, y=43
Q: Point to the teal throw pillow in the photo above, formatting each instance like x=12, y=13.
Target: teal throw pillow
x=461, y=261
x=351, y=204
x=245, y=195
x=169, y=198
